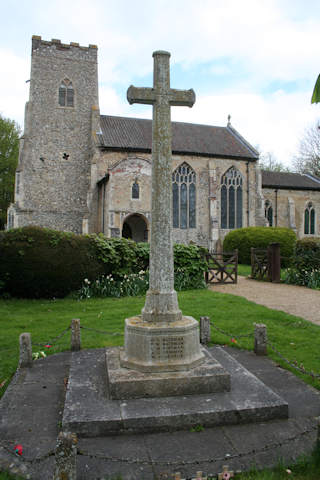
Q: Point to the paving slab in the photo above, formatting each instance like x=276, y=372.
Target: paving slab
x=152, y=456
x=89, y=410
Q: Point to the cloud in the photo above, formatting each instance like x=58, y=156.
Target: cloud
x=13, y=86
x=240, y=58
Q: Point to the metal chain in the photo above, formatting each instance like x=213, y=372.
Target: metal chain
x=293, y=365
x=54, y=339
x=229, y=334
x=197, y=462
x=163, y=462
x=101, y=331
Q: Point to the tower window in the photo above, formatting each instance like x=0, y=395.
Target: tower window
x=184, y=197
x=231, y=199
x=135, y=190
x=309, y=220
x=66, y=94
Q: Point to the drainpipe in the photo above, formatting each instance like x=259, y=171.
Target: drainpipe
x=276, y=212
x=248, y=199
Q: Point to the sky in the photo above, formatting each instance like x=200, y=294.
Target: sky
x=256, y=60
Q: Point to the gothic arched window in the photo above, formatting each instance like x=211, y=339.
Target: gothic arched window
x=184, y=197
x=309, y=220
x=135, y=190
x=66, y=94
x=231, y=199
x=268, y=212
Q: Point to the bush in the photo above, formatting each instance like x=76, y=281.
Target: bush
x=305, y=267
x=260, y=237
x=42, y=263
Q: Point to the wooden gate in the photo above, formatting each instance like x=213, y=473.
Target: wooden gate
x=266, y=264
x=222, y=267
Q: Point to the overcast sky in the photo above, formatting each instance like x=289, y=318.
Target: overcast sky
x=256, y=60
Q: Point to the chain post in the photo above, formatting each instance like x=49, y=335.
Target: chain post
x=260, y=339
x=25, y=358
x=205, y=334
x=75, y=335
x=66, y=456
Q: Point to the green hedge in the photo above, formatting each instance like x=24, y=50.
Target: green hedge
x=260, y=237
x=42, y=263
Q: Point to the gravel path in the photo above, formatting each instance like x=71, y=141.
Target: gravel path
x=300, y=301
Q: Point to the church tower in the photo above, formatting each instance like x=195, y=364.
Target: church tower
x=53, y=174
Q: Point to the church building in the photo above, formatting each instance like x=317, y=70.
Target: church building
x=84, y=172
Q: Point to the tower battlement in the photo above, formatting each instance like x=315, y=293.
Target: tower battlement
x=37, y=42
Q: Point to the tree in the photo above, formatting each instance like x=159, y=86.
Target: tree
x=308, y=158
x=316, y=92
x=268, y=161
x=9, y=151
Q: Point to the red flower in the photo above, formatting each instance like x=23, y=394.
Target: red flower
x=48, y=346
x=18, y=449
x=233, y=340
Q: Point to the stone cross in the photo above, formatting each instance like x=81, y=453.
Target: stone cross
x=161, y=300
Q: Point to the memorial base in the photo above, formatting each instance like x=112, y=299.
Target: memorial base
x=161, y=346
x=124, y=383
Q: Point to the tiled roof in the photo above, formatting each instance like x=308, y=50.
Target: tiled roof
x=135, y=134
x=289, y=181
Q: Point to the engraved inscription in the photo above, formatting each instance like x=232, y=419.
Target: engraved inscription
x=171, y=348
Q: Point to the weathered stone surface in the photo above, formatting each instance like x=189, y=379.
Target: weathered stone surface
x=89, y=411
x=205, y=331
x=260, y=339
x=125, y=383
x=66, y=457
x=75, y=335
x=161, y=346
x=25, y=359
x=161, y=300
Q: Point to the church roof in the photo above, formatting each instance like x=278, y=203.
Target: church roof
x=135, y=134
x=289, y=181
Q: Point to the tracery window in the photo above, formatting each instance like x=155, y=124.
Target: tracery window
x=66, y=94
x=268, y=212
x=231, y=199
x=309, y=219
x=184, y=197
x=10, y=220
x=135, y=190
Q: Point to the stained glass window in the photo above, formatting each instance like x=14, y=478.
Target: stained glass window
x=268, y=212
x=184, y=197
x=231, y=199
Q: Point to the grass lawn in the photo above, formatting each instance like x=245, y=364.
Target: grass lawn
x=297, y=339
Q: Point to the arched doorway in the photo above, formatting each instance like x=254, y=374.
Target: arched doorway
x=136, y=228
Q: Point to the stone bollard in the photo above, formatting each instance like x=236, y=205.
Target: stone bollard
x=66, y=456
x=205, y=335
x=260, y=339
x=25, y=359
x=75, y=335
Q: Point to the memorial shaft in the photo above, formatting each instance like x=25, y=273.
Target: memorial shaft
x=161, y=299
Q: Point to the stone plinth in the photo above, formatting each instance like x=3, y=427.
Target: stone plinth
x=123, y=383
x=161, y=346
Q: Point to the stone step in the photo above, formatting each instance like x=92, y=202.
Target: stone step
x=89, y=411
